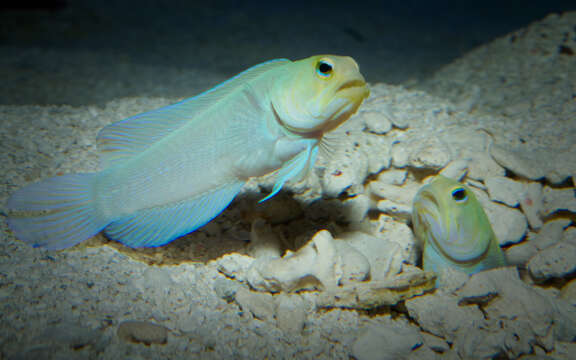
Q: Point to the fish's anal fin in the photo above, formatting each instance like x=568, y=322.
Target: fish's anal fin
x=159, y=226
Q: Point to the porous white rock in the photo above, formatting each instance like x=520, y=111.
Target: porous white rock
x=525, y=165
x=509, y=224
x=384, y=257
x=261, y=305
x=568, y=292
x=339, y=174
x=558, y=199
x=400, y=154
x=290, y=313
x=376, y=122
x=388, y=229
x=393, y=208
x=440, y=315
x=392, y=176
x=391, y=340
x=355, y=265
x=435, y=343
x=354, y=208
x=455, y=169
x=142, y=332
x=263, y=241
x=482, y=166
x=430, y=153
x=521, y=253
x=517, y=315
x=397, y=200
x=234, y=265
x=555, y=261
x=531, y=203
x=376, y=149
x=316, y=265
x=504, y=190
x=549, y=234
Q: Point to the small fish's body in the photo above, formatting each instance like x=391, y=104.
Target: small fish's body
x=169, y=171
x=454, y=229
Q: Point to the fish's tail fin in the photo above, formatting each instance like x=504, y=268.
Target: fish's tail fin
x=55, y=213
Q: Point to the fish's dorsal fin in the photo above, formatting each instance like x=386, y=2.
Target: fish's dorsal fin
x=122, y=140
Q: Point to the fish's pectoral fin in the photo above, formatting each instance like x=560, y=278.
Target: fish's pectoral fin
x=295, y=170
x=158, y=226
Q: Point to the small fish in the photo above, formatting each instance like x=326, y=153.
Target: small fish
x=454, y=229
x=170, y=171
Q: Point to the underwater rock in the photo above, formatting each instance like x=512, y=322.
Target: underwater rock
x=531, y=203
x=339, y=174
x=389, y=231
x=550, y=234
x=378, y=151
x=73, y=336
x=355, y=208
x=290, y=313
x=519, y=163
x=376, y=122
x=482, y=166
x=316, y=265
x=568, y=292
x=519, y=316
x=504, y=190
x=260, y=305
x=389, y=341
x=400, y=154
x=142, y=332
x=521, y=253
x=456, y=169
x=381, y=256
x=392, y=176
x=375, y=293
x=555, y=261
x=355, y=266
x=509, y=224
x=435, y=343
x=263, y=241
x=558, y=199
x=441, y=315
x=430, y=154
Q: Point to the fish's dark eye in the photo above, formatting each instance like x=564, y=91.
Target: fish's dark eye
x=324, y=68
x=459, y=195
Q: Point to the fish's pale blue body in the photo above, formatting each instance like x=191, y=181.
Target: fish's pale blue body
x=170, y=171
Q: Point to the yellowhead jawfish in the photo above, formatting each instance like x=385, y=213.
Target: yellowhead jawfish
x=169, y=171
x=453, y=229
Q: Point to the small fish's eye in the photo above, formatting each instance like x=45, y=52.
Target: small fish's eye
x=324, y=68
x=459, y=195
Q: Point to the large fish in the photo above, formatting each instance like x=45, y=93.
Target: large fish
x=453, y=228
x=169, y=171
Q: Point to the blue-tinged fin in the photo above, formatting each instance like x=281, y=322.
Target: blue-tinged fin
x=56, y=213
x=129, y=137
x=160, y=225
x=295, y=169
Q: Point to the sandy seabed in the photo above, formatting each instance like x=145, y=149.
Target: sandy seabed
x=502, y=118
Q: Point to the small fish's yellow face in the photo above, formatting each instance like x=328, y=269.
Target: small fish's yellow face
x=448, y=217
x=319, y=93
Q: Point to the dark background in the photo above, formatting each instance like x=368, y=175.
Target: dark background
x=176, y=48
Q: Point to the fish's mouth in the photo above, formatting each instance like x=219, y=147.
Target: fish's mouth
x=357, y=83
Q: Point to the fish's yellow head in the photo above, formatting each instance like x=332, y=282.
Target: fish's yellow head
x=453, y=227
x=317, y=94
